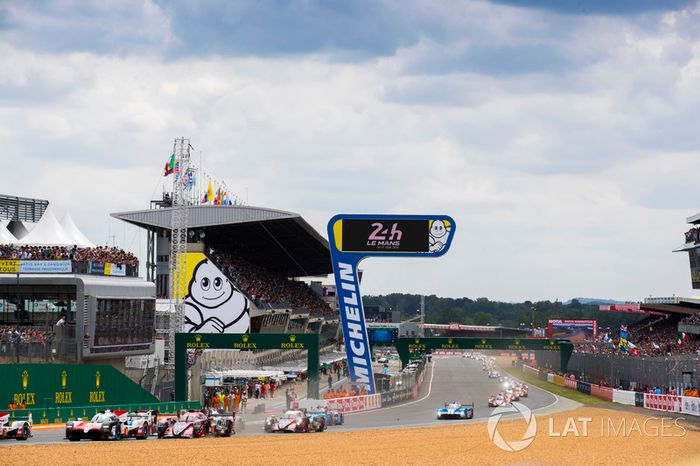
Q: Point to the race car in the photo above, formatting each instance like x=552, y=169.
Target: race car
x=498, y=400
x=138, y=424
x=222, y=424
x=332, y=417
x=512, y=394
x=523, y=389
x=191, y=424
x=104, y=425
x=456, y=410
x=19, y=428
x=295, y=421
x=494, y=375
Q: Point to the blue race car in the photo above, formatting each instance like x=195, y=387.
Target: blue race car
x=456, y=410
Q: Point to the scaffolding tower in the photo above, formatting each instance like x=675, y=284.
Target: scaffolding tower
x=178, y=242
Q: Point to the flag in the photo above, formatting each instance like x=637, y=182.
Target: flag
x=635, y=352
x=210, y=193
x=170, y=165
x=681, y=338
x=204, y=199
x=655, y=345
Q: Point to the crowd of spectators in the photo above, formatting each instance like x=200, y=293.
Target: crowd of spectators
x=692, y=235
x=654, y=336
x=692, y=320
x=22, y=335
x=267, y=289
x=100, y=254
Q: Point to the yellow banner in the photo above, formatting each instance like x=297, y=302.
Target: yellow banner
x=9, y=266
x=190, y=261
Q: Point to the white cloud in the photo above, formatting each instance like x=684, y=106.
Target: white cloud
x=566, y=182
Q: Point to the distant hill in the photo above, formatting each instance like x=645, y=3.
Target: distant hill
x=595, y=301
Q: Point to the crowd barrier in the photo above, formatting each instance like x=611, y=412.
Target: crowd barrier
x=669, y=403
x=624, y=397
x=662, y=402
x=350, y=404
x=604, y=393
x=60, y=415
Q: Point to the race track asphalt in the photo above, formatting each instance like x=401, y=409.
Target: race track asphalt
x=448, y=379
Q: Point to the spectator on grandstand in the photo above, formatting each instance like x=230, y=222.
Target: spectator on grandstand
x=266, y=288
x=62, y=321
x=100, y=254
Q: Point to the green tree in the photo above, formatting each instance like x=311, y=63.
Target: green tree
x=483, y=318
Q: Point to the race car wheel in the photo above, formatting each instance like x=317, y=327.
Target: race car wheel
x=25, y=433
x=145, y=432
x=321, y=427
x=74, y=439
x=116, y=434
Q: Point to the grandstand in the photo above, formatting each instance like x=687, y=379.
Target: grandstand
x=263, y=252
x=62, y=298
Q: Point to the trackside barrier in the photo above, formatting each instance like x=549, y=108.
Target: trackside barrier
x=550, y=378
x=639, y=399
x=61, y=415
x=663, y=402
x=583, y=387
x=350, y=404
x=558, y=380
x=691, y=405
x=542, y=375
x=531, y=370
x=624, y=397
x=604, y=393
x=570, y=383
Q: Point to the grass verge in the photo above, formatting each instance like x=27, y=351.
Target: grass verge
x=557, y=389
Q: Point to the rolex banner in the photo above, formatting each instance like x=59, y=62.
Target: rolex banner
x=66, y=385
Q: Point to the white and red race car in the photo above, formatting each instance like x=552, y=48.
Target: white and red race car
x=138, y=424
x=522, y=388
x=197, y=423
x=19, y=428
x=499, y=400
x=295, y=420
x=104, y=425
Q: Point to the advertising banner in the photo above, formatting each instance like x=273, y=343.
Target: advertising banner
x=353, y=238
x=351, y=404
x=604, y=393
x=530, y=370
x=624, y=397
x=9, y=266
x=32, y=266
x=115, y=270
x=583, y=387
x=550, y=378
x=663, y=402
x=691, y=405
x=639, y=399
x=570, y=383
x=558, y=380
x=97, y=268
x=574, y=330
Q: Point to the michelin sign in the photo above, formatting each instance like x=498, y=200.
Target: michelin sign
x=354, y=237
x=212, y=303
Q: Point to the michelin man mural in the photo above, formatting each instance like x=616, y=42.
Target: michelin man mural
x=213, y=305
x=439, y=232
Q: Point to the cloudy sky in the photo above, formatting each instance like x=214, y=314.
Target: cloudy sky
x=562, y=136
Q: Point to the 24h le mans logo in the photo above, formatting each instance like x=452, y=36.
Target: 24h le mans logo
x=518, y=445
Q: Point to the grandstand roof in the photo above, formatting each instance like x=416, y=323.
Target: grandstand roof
x=283, y=242
x=22, y=208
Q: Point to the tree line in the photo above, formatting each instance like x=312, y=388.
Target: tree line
x=482, y=311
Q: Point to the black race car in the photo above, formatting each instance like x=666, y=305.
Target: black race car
x=104, y=425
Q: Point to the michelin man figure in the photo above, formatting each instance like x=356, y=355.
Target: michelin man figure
x=439, y=232
x=213, y=305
